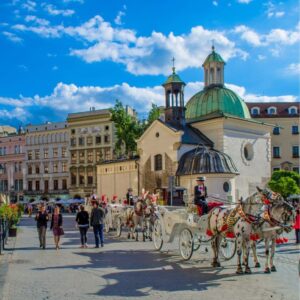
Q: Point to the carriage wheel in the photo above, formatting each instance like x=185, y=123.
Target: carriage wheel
x=186, y=244
x=157, y=235
x=118, y=227
x=227, y=248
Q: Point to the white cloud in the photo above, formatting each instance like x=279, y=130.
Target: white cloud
x=29, y=5
x=271, y=10
x=248, y=35
x=273, y=37
x=36, y=20
x=215, y=3
x=52, y=10
x=293, y=69
x=118, y=19
x=54, y=68
x=79, y=1
x=12, y=37
x=67, y=98
x=244, y=1
x=279, y=14
x=261, y=57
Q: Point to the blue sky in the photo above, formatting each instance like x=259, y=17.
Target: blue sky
x=68, y=55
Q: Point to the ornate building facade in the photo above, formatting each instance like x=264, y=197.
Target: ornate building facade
x=92, y=139
x=47, y=161
x=285, y=136
x=12, y=172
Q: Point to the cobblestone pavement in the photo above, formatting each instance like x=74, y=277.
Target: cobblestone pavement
x=127, y=270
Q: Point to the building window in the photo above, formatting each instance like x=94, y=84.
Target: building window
x=276, y=130
x=296, y=169
x=107, y=155
x=89, y=140
x=64, y=166
x=29, y=170
x=255, y=111
x=73, y=142
x=1, y=151
x=158, y=162
x=293, y=110
x=20, y=167
x=98, y=155
x=90, y=156
x=248, y=151
x=63, y=152
x=90, y=176
x=74, y=157
x=81, y=157
x=17, y=149
x=55, y=152
x=16, y=185
x=37, y=185
x=29, y=155
x=55, y=167
x=276, y=169
x=73, y=177
x=295, y=151
x=272, y=110
x=106, y=139
x=106, y=127
x=37, y=169
x=81, y=141
x=276, y=152
x=46, y=168
x=20, y=184
x=98, y=140
x=46, y=153
x=64, y=184
x=295, y=129
x=16, y=167
x=55, y=184
x=46, y=186
x=72, y=131
x=81, y=176
x=29, y=185
x=37, y=154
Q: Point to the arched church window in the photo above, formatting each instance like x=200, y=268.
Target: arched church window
x=219, y=75
x=158, y=162
x=212, y=75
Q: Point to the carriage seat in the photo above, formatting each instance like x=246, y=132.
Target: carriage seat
x=211, y=205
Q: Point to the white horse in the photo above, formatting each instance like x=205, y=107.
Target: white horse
x=233, y=223
x=280, y=218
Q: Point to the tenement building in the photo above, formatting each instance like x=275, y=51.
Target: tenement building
x=91, y=141
x=46, y=159
x=285, y=136
x=12, y=155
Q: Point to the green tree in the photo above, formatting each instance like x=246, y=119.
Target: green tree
x=127, y=130
x=285, y=182
x=153, y=115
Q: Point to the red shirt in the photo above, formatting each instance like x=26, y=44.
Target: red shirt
x=297, y=222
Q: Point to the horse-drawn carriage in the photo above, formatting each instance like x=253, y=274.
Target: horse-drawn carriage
x=191, y=230
x=113, y=213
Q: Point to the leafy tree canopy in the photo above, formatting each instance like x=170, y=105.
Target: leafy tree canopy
x=285, y=182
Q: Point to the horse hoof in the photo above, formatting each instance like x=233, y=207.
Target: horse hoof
x=257, y=265
x=215, y=264
x=128, y=236
x=267, y=271
x=273, y=269
x=248, y=271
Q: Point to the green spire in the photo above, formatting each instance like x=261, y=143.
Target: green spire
x=173, y=78
x=213, y=57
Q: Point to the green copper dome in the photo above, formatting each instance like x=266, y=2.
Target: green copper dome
x=173, y=78
x=216, y=100
x=213, y=57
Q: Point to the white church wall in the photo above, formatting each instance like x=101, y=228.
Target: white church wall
x=255, y=169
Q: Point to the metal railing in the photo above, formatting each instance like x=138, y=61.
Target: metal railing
x=3, y=234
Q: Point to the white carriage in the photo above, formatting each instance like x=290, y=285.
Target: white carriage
x=115, y=214
x=191, y=229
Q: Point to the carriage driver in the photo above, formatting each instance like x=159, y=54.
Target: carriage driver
x=200, y=194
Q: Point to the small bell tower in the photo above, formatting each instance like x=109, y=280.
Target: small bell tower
x=174, y=99
x=213, y=70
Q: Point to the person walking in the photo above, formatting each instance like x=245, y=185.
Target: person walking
x=42, y=218
x=297, y=225
x=56, y=226
x=97, y=218
x=82, y=219
x=200, y=195
x=129, y=197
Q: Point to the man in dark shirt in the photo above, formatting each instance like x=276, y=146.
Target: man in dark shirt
x=41, y=223
x=129, y=197
x=97, y=220
x=200, y=195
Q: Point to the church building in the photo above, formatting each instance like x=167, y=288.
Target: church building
x=213, y=135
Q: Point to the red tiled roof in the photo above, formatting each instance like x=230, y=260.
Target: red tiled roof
x=281, y=107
